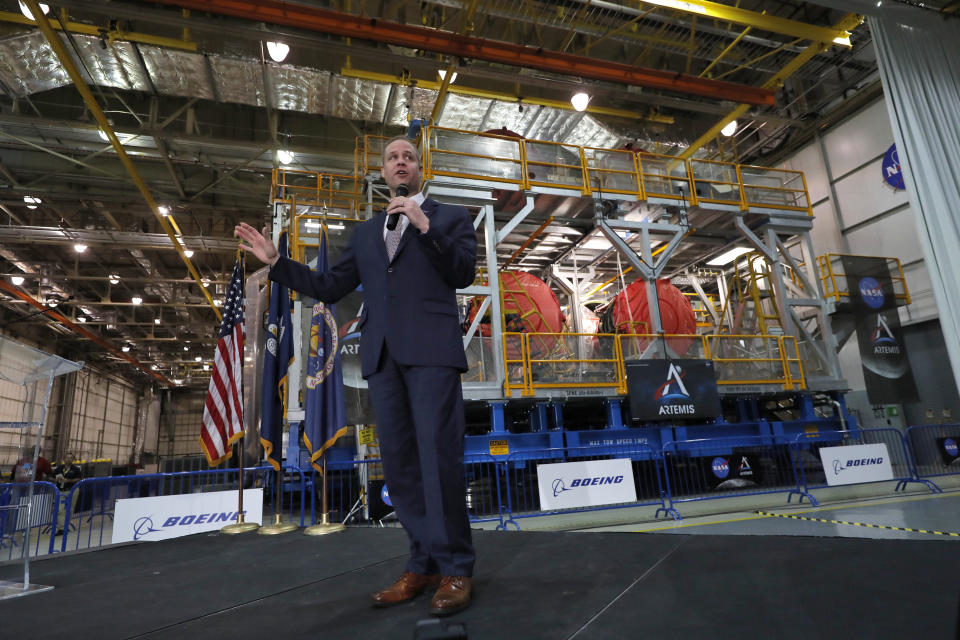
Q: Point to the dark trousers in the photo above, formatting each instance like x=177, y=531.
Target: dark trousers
x=420, y=424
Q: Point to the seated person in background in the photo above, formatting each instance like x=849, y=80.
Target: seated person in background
x=67, y=473
x=21, y=472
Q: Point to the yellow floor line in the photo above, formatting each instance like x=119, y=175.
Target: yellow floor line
x=858, y=524
x=862, y=503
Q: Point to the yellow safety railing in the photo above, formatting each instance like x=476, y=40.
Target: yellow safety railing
x=756, y=360
x=474, y=156
x=612, y=171
x=717, y=182
x=771, y=188
x=307, y=217
x=370, y=154
x=835, y=280
x=337, y=191
x=598, y=360
x=519, y=164
x=665, y=177
x=516, y=362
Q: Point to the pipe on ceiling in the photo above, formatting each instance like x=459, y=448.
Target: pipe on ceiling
x=414, y=37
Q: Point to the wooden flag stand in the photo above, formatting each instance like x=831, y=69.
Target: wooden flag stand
x=278, y=526
x=325, y=525
x=240, y=526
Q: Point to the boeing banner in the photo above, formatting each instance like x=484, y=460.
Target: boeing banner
x=856, y=463
x=886, y=368
x=163, y=517
x=672, y=389
x=590, y=483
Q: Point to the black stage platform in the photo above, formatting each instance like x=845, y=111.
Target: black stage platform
x=529, y=585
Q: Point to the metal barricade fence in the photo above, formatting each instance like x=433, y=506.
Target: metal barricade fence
x=727, y=467
x=934, y=449
x=806, y=449
x=356, y=495
x=521, y=481
x=14, y=522
x=89, y=513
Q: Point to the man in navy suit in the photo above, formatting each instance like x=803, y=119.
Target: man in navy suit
x=411, y=356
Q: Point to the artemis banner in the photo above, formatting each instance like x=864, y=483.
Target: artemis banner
x=886, y=368
x=671, y=389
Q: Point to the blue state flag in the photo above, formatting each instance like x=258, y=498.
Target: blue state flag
x=276, y=364
x=325, y=416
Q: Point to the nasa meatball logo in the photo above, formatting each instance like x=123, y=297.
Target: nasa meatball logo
x=720, y=467
x=892, y=171
x=950, y=446
x=871, y=292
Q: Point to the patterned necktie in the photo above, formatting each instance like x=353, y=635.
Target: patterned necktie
x=393, y=241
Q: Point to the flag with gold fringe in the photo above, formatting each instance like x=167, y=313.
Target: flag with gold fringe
x=276, y=364
x=325, y=415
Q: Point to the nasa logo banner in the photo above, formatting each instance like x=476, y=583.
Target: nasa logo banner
x=737, y=470
x=892, y=171
x=664, y=390
x=886, y=367
x=855, y=464
x=566, y=485
x=163, y=517
x=949, y=449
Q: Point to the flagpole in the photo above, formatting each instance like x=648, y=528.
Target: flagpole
x=240, y=526
x=325, y=525
x=278, y=526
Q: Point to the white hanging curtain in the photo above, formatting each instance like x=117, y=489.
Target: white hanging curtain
x=920, y=70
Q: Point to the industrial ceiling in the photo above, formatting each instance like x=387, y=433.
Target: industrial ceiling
x=201, y=110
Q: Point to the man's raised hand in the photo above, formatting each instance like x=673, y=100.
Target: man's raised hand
x=258, y=243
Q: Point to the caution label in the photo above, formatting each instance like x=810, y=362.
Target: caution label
x=368, y=435
x=499, y=448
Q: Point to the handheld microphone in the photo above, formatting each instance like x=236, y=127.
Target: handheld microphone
x=393, y=218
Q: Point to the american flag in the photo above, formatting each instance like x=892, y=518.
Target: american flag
x=223, y=413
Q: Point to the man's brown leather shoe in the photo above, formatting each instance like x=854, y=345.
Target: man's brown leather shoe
x=453, y=595
x=406, y=588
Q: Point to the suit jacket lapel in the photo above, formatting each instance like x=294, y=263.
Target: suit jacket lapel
x=429, y=207
x=381, y=240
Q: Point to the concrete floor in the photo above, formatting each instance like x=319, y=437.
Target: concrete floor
x=924, y=516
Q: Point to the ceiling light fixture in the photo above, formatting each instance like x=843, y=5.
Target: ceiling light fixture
x=114, y=278
x=443, y=74
x=198, y=359
x=136, y=300
x=125, y=348
x=31, y=202
x=26, y=10
x=156, y=321
x=729, y=129
x=284, y=156
x=81, y=319
x=188, y=253
x=278, y=51
x=729, y=256
x=186, y=348
x=79, y=247
x=164, y=211
x=580, y=101
x=17, y=280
